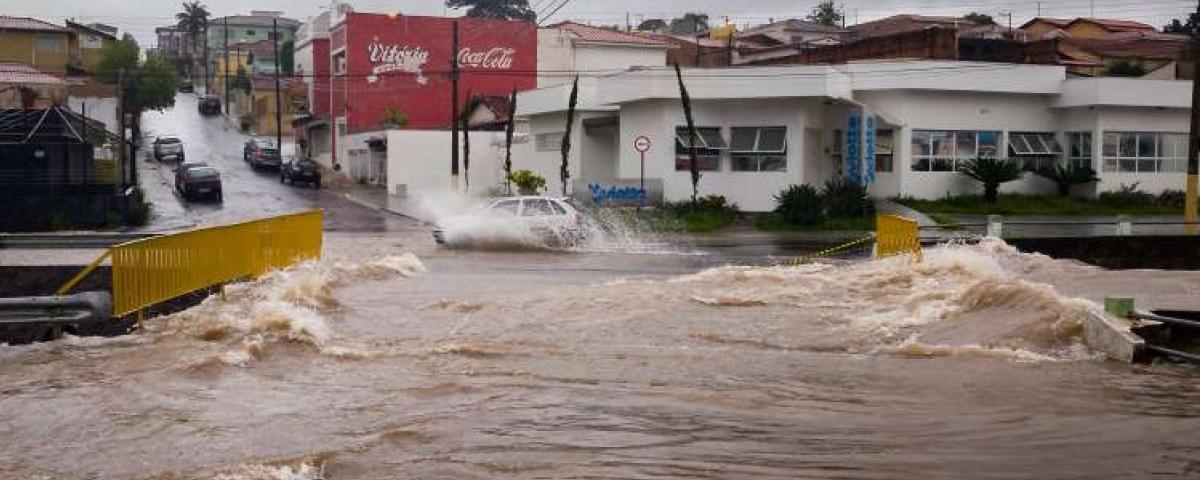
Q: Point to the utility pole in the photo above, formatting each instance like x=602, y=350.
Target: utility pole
x=124, y=156
x=278, y=112
x=628, y=23
x=1190, y=201
x=454, y=110
x=729, y=44
x=225, y=71
x=207, y=78
x=1039, y=6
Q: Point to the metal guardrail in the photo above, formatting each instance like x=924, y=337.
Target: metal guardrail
x=896, y=235
x=150, y=271
x=1122, y=223
x=47, y=241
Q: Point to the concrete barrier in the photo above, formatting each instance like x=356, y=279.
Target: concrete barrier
x=1112, y=336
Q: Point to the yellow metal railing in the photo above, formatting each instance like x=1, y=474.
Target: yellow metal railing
x=896, y=235
x=150, y=271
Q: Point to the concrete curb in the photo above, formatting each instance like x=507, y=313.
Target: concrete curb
x=1112, y=336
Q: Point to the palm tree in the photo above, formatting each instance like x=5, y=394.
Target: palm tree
x=564, y=173
x=694, y=165
x=1067, y=176
x=193, y=21
x=991, y=172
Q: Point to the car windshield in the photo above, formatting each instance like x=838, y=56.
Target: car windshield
x=169, y=141
x=507, y=208
x=203, y=172
x=537, y=207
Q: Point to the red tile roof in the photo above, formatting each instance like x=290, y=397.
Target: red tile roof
x=1057, y=22
x=591, y=34
x=905, y=23
x=20, y=73
x=1118, y=25
x=1151, y=45
x=26, y=23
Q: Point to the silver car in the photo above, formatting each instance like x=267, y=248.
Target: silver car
x=166, y=147
x=544, y=221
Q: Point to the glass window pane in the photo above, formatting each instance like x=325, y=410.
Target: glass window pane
x=941, y=144
x=942, y=165
x=1128, y=145
x=773, y=140
x=773, y=163
x=966, y=146
x=1111, y=144
x=920, y=143
x=836, y=147
x=505, y=208
x=883, y=142
x=1018, y=144
x=712, y=137
x=1051, y=143
x=989, y=143
x=1148, y=165
x=921, y=164
x=1127, y=165
x=1110, y=165
x=742, y=139
x=682, y=136
x=1147, y=145
x=883, y=163
x=745, y=163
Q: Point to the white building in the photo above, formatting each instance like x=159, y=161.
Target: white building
x=568, y=47
x=765, y=128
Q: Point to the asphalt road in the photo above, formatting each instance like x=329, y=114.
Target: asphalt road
x=249, y=193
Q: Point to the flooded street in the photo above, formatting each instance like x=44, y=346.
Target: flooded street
x=395, y=359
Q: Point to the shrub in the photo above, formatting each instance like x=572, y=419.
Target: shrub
x=1171, y=198
x=991, y=172
x=245, y=121
x=800, y=205
x=527, y=182
x=138, y=213
x=1127, y=196
x=843, y=197
x=1066, y=176
x=706, y=214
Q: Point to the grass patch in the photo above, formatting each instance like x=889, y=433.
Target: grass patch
x=946, y=221
x=1032, y=205
x=772, y=222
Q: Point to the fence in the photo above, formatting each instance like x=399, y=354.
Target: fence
x=150, y=271
x=896, y=235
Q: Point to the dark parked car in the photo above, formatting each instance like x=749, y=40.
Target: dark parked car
x=197, y=180
x=261, y=153
x=166, y=147
x=300, y=170
x=210, y=105
x=186, y=87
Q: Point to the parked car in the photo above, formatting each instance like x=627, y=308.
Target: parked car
x=261, y=153
x=186, y=87
x=300, y=169
x=209, y=105
x=168, y=147
x=544, y=221
x=197, y=181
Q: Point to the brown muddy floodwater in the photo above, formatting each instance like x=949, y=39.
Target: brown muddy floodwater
x=383, y=364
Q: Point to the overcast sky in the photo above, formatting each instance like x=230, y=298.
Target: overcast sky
x=141, y=16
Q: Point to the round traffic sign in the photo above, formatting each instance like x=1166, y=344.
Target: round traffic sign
x=641, y=143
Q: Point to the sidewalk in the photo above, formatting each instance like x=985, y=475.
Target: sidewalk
x=379, y=199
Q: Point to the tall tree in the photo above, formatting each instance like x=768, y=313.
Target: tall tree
x=652, y=25
x=287, y=58
x=690, y=23
x=980, y=18
x=466, y=146
x=1183, y=28
x=192, y=21
x=693, y=163
x=564, y=173
x=503, y=9
x=508, y=139
x=826, y=13
x=149, y=84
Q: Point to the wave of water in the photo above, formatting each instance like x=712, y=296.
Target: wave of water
x=290, y=305
x=961, y=300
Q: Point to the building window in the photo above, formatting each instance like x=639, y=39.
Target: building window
x=549, y=142
x=250, y=33
x=758, y=149
x=884, y=150
x=339, y=63
x=709, y=144
x=49, y=43
x=1080, y=153
x=1036, y=150
x=1145, y=152
x=948, y=151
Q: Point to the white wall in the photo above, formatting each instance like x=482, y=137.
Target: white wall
x=419, y=162
x=103, y=109
x=558, y=52
x=752, y=191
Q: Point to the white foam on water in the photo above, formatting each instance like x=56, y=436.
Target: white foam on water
x=961, y=300
x=304, y=471
x=290, y=305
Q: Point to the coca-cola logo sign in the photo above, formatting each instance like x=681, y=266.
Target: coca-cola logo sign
x=499, y=58
x=395, y=57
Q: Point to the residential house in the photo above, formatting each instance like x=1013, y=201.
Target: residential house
x=1101, y=28
x=22, y=86
x=44, y=46
x=170, y=42
x=794, y=32
x=312, y=126
x=1041, y=28
x=86, y=43
x=567, y=47
x=928, y=117
x=247, y=29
